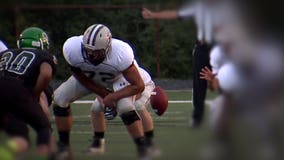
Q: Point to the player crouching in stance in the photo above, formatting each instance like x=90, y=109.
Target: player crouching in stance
x=105, y=66
x=24, y=74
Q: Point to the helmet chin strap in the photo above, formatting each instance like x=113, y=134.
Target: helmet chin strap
x=18, y=43
x=41, y=44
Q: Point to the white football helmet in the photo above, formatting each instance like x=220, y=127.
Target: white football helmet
x=96, y=42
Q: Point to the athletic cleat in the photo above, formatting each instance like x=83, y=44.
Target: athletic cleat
x=194, y=123
x=154, y=151
x=143, y=153
x=63, y=152
x=97, y=147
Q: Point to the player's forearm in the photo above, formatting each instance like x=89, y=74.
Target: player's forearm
x=213, y=84
x=44, y=104
x=43, y=80
x=128, y=91
x=167, y=14
x=89, y=84
x=132, y=75
x=102, y=92
x=131, y=90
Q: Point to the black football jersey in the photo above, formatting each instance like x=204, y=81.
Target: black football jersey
x=24, y=64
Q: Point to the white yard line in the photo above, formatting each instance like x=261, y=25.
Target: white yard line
x=90, y=102
x=171, y=101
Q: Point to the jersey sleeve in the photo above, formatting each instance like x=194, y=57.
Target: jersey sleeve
x=229, y=77
x=216, y=59
x=72, y=50
x=125, y=56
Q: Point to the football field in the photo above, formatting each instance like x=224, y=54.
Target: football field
x=173, y=135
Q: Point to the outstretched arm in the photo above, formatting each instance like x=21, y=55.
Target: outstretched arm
x=166, y=14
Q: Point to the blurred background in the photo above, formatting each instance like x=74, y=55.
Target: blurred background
x=164, y=48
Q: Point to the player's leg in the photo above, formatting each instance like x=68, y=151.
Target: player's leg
x=66, y=93
x=31, y=113
x=19, y=133
x=21, y=103
x=133, y=123
x=99, y=128
x=45, y=103
x=148, y=126
x=129, y=116
x=131, y=119
x=18, y=142
x=200, y=60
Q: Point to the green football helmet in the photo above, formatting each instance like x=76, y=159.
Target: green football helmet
x=33, y=37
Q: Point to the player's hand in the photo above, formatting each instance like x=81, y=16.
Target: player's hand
x=110, y=100
x=146, y=13
x=206, y=74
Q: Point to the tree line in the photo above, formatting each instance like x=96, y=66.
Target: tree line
x=163, y=47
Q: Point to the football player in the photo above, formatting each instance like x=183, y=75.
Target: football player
x=105, y=66
x=18, y=130
x=24, y=74
x=221, y=67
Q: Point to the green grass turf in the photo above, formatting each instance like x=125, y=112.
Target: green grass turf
x=172, y=132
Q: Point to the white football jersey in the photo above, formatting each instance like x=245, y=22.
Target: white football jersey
x=3, y=47
x=119, y=58
x=229, y=77
x=217, y=58
x=225, y=70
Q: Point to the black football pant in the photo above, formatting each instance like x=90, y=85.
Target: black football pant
x=200, y=60
x=20, y=108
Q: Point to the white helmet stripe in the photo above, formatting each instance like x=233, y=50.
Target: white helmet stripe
x=93, y=34
x=97, y=37
x=90, y=33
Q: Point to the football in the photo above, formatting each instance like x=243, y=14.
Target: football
x=159, y=101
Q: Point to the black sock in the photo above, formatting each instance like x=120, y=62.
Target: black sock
x=149, y=135
x=97, y=139
x=99, y=135
x=141, y=145
x=64, y=137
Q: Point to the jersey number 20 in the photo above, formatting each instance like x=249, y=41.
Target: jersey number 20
x=16, y=63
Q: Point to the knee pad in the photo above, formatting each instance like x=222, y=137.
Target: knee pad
x=129, y=117
x=61, y=112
